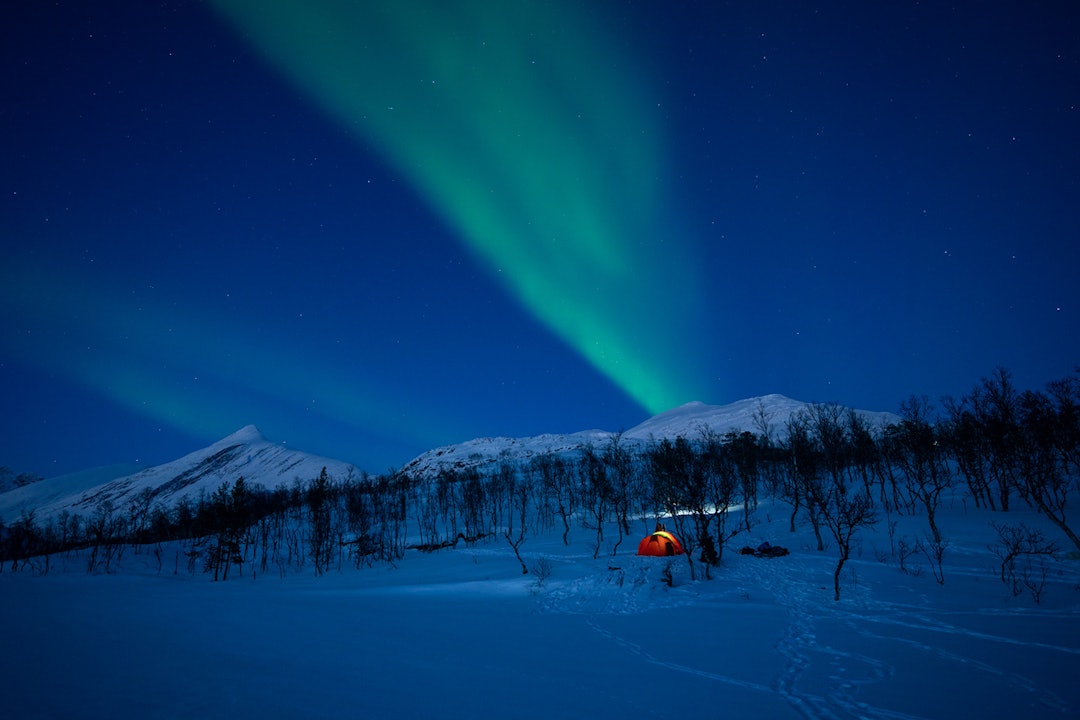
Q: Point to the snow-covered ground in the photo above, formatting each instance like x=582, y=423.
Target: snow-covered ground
x=462, y=633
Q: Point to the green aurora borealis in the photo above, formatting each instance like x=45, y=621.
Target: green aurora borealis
x=376, y=227
x=532, y=133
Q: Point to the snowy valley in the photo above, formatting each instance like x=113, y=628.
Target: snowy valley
x=451, y=610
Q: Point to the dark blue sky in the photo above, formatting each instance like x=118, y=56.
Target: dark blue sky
x=371, y=236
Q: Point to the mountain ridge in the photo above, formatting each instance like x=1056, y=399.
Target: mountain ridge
x=244, y=453
x=687, y=420
x=247, y=453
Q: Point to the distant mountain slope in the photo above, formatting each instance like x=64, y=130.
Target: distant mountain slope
x=11, y=481
x=30, y=497
x=743, y=415
x=245, y=453
x=686, y=420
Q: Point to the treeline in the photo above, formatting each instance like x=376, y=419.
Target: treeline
x=322, y=523
x=837, y=473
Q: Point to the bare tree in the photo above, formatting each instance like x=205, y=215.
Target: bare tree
x=227, y=515
x=966, y=444
x=997, y=403
x=828, y=429
x=680, y=487
x=621, y=476
x=805, y=484
x=555, y=489
x=598, y=494
x=102, y=532
x=723, y=464
x=519, y=494
x=1046, y=444
x=914, y=447
x=1015, y=542
x=844, y=513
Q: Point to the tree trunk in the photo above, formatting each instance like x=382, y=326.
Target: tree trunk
x=836, y=575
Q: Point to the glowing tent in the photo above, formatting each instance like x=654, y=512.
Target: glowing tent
x=660, y=543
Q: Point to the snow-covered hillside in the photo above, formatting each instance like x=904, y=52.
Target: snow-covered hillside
x=750, y=415
x=689, y=421
x=245, y=453
x=248, y=454
x=894, y=612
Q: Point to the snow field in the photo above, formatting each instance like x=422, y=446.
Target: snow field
x=462, y=633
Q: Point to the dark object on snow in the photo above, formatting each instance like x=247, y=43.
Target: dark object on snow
x=765, y=550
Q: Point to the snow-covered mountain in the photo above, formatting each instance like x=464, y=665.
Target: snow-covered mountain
x=689, y=421
x=245, y=453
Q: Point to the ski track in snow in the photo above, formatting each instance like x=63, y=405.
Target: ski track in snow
x=637, y=649
x=635, y=587
x=891, y=616
x=800, y=646
x=631, y=591
x=803, y=595
x=909, y=618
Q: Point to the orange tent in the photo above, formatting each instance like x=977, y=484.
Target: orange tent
x=660, y=543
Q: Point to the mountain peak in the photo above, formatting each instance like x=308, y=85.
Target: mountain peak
x=245, y=435
x=245, y=453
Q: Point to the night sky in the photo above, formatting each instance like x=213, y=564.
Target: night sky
x=371, y=232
